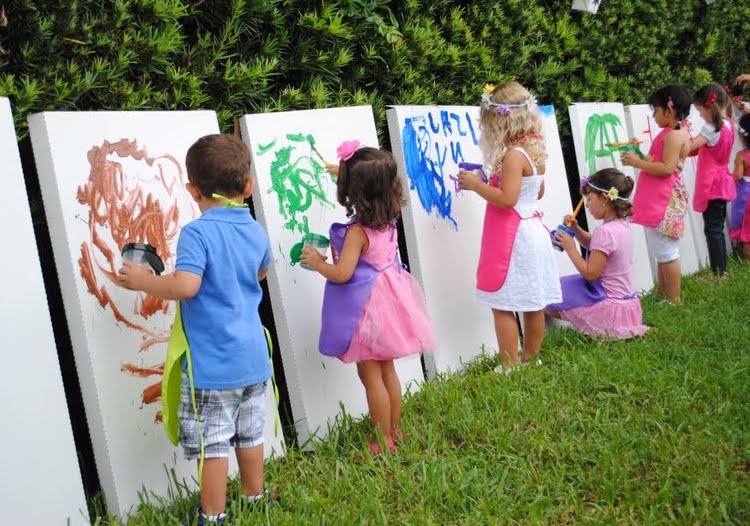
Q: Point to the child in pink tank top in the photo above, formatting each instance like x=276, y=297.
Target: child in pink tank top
x=660, y=200
x=714, y=185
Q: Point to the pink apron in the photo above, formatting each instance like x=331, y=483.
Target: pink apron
x=713, y=180
x=498, y=235
x=652, y=193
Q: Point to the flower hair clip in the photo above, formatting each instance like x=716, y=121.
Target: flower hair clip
x=347, y=149
x=710, y=100
x=613, y=194
x=670, y=102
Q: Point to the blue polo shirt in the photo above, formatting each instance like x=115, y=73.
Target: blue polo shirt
x=227, y=248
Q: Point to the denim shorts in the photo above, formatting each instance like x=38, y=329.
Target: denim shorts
x=226, y=418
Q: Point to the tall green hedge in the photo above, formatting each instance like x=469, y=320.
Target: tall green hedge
x=239, y=56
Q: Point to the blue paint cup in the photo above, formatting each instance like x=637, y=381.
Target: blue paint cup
x=567, y=230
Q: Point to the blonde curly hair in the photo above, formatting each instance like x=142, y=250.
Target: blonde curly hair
x=503, y=131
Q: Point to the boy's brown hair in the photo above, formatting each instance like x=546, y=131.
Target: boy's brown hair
x=219, y=163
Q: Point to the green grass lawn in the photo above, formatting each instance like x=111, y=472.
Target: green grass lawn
x=651, y=431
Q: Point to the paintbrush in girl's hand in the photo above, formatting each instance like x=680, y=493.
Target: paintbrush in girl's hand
x=575, y=213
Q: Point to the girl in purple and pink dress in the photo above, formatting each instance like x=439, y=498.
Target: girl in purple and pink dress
x=601, y=301
x=739, y=217
x=373, y=310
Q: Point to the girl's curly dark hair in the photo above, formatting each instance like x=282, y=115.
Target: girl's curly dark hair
x=368, y=186
x=612, y=177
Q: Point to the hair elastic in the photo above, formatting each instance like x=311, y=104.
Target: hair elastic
x=710, y=100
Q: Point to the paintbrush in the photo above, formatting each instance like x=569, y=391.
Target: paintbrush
x=575, y=213
x=631, y=146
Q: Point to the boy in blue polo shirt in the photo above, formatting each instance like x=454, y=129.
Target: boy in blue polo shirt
x=221, y=259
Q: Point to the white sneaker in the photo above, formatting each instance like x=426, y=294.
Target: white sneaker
x=538, y=361
x=506, y=371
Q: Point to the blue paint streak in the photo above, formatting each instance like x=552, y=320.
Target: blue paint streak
x=446, y=123
x=457, y=153
x=547, y=111
x=435, y=127
x=471, y=129
x=423, y=176
x=456, y=118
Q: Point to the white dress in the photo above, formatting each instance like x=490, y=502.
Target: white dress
x=532, y=282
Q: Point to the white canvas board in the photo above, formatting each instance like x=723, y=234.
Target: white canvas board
x=595, y=125
x=41, y=460
x=108, y=178
x=642, y=126
x=443, y=226
x=294, y=196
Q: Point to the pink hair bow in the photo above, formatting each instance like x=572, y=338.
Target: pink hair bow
x=347, y=149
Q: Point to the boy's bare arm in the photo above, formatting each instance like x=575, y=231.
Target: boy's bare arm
x=178, y=285
x=262, y=273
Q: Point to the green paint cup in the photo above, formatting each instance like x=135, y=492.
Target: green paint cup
x=316, y=241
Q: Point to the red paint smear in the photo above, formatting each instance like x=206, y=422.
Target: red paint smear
x=101, y=294
x=143, y=372
x=152, y=393
x=148, y=342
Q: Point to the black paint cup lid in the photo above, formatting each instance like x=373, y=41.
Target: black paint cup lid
x=152, y=258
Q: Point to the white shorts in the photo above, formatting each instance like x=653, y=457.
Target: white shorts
x=663, y=248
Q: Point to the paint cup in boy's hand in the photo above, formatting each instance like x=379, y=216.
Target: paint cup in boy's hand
x=316, y=241
x=564, y=228
x=143, y=255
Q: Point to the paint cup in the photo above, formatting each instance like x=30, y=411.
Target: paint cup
x=567, y=230
x=143, y=255
x=316, y=241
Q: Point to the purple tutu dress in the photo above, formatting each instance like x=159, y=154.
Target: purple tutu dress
x=608, y=307
x=380, y=313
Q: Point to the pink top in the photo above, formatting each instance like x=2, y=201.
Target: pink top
x=652, y=192
x=615, y=239
x=713, y=180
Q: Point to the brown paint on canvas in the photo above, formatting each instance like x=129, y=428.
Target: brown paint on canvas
x=124, y=208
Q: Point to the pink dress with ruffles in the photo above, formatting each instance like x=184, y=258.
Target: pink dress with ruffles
x=395, y=322
x=619, y=316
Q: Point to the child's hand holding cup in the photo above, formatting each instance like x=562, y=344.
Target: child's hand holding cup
x=314, y=248
x=569, y=226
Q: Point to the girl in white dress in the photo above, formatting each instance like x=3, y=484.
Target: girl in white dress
x=517, y=271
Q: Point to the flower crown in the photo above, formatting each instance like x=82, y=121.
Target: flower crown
x=503, y=108
x=613, y=194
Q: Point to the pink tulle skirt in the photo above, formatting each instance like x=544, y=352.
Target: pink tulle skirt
x=395, y=322
x=609, y=319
